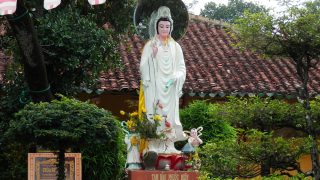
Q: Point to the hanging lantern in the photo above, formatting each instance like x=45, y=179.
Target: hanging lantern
x=8, y=6
x=50, y=4
x=96, y=2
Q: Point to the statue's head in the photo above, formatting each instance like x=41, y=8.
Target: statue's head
x=193, y=132
x=163, y=26
x=161, y=19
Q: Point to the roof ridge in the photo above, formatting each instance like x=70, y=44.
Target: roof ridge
x=211, y=22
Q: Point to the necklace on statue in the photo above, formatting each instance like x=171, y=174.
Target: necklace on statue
x=166, y=60
x=165, y=47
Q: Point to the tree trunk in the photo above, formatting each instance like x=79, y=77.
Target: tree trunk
x=32, y=57
x=313, y=135
x=314, y=150
x=303, y=69
x=265, y=168
x=61, y=165
x=265, y=165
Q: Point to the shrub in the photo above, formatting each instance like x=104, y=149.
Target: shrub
x=231, y=158
x=201, y=113
x=219, y=159
x=80, y=126
x=263, y=113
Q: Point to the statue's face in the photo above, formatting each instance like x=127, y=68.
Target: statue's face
x=164, y=28
x=193, y=132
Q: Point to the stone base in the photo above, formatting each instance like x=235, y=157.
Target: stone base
x=162, y=175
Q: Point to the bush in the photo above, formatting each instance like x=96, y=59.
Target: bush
x=201, y=113
x=219, y=159
x=263, y=113
x=80, y=126
x=231, y=158
x=12, y=154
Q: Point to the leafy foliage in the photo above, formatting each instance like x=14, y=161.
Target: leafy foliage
x=230, y=12
x=13, y=160
x=76, y=50
x=263, y=113
x=279, y=153
x=69, y=123
x=11, y=153
x=73, y=42
x=200, y=113
x=12, y=88
x=231, y=158
x=219, y=159
x=100, y=14
x=315, y=112
x=293, y=34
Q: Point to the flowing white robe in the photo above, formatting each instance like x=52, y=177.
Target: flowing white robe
x=168, y=64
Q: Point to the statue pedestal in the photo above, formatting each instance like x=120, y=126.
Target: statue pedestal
x=172, y=161
x=162, y=175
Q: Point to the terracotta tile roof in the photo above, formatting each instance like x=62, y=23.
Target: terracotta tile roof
x=214, y=67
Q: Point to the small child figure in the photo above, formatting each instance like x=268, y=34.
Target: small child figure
x=194, y=138
x=133, y=154
x=193, y=141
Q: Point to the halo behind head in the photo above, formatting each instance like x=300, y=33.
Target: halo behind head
x=148, y=10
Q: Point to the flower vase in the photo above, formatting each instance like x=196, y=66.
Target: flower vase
x=133, y=155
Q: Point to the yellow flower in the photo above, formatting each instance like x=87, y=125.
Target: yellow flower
x=195, y=156
x=130, y=124
x=134, y=140
x=157, y=117
x=122, y=112
x=134, y=114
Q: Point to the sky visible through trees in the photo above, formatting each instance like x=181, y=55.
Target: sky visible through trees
x=273, y=4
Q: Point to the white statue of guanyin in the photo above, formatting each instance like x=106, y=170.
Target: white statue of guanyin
x=163, y=74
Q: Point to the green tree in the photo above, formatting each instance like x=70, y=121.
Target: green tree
x=68, y=123
x=231, y=158
x=230, y=12
x=255, y=150
x=41, y=45
x=61, y=51
x=294, y=35
x=201, y=113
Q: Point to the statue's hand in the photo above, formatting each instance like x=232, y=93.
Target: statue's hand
x=154, y=49
x=169, y=83
x=146, y=83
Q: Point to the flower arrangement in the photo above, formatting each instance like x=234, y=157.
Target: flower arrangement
x=141, y=124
